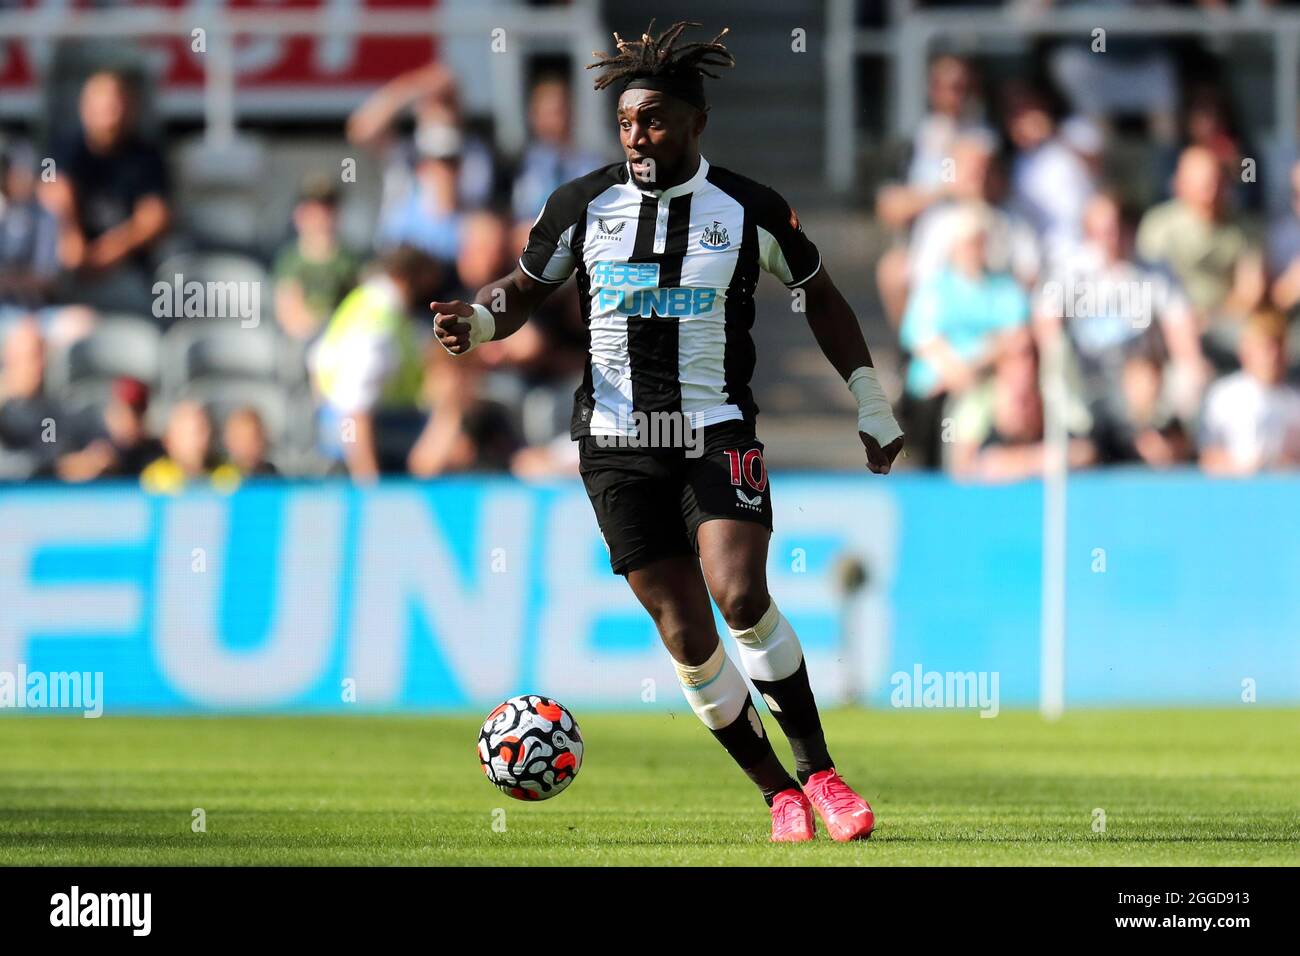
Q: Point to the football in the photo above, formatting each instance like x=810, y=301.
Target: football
x=530, y=747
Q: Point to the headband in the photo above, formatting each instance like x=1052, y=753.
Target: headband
x=687, y=86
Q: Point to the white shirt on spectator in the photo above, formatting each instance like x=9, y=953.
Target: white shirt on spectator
x=371, y=360
x=1256, y=424
x=362, y=361
x=933, y=143
x=1011, y=246
x=1108, y=304
x=1053, y=185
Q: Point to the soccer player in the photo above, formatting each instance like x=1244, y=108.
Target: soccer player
x=667, y=249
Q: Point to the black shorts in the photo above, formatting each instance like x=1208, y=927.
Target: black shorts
x=650, y=502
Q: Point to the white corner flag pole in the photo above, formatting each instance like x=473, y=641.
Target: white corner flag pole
x=1056, y=441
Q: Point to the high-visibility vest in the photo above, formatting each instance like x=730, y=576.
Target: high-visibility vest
x=373, y=309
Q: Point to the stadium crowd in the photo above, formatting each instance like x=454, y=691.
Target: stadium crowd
x=1013, y=263
x=1016, y=264
x=347, y=378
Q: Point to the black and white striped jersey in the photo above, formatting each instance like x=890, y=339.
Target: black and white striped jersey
x=666, y=284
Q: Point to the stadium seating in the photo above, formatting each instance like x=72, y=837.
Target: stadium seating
x=222, y=221
x=215, y=267
x=16, y=465
x=222, y=349
x=545, y=412
x=119, y=345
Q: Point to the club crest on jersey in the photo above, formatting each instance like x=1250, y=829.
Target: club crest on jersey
x=715, y=237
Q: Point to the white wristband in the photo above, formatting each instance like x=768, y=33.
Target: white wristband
x=482, y=326
x=875, y=417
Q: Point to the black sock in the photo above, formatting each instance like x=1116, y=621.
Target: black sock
x=749, y=747
x=791, y=701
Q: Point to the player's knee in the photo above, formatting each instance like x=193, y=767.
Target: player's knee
x=672, y=631
x=685, y=639
x=742, y=607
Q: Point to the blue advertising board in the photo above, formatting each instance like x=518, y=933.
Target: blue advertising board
x=454, y=594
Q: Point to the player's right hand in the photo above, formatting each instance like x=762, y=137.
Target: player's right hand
x=880, y=460
x=449, y=325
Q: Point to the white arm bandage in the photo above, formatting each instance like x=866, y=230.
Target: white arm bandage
x=482, y=326
x=875, y=417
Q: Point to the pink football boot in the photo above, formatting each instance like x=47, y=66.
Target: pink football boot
x=846, y=814
x=792, y=818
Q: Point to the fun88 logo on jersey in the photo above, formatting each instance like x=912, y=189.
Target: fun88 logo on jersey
x=632, y=288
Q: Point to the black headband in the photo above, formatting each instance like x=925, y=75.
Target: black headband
x=687, y=86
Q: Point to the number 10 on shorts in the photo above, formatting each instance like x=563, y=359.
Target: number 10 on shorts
x=747, y=466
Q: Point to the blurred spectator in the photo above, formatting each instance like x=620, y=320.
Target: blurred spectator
x=1129, y=76
x=368, y=358
x=188, y=457
x=551, y=158
x=954, y=114
x=244, y=438
x=431, y=93
x=1011, y=448
x=450, y=390
x=1251, y=420
x=484, y=253
x=488, y=437
x=120, y=445
x=1207, y=248
x=462, y=432
x=1141, y=425
x=1053, y=174
x=1284, y=251
x=1010, y=243
x=109, y=194
x=1208, y=125
x=476, y=436
x=1107, y=303
x=29, y=238
x=314, y=272
x=930, y=171
x=32, y=423
x=428, y=216
x=29, y=256
x=951, y=326
x=556, y=458
x=553, y=343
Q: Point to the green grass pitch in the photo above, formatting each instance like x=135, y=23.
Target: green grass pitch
x=1176, y=787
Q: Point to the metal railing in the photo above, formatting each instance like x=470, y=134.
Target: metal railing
x=908, y=43
x=907, y=46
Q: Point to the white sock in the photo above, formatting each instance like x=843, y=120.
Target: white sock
x=715, y=690
x=770, y=650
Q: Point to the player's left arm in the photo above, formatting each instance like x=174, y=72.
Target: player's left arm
x=840, y=338
x=501, y=308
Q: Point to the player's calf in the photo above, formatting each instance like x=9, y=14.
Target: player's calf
x=717, y=693
x=773, y=658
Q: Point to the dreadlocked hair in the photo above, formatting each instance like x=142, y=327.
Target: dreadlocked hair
x=660, y=55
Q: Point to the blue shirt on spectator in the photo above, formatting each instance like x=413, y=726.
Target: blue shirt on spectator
x=409, y=222
x=543, y=169
x=967, y=313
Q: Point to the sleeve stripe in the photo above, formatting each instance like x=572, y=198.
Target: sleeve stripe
x=549, y=281
x=816, y=269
